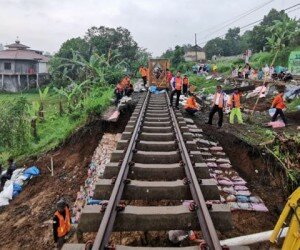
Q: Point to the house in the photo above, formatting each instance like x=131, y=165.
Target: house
x=195, y=54
x=22, y=68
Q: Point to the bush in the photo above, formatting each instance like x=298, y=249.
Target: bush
x=14, y=126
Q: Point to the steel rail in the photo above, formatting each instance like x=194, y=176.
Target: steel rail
x=107, y=223
x=207, y=227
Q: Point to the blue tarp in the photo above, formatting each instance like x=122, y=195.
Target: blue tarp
x=153, y=89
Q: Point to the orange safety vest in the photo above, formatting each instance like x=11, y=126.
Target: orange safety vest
x=64, y=223
x=190, y=103
x=186, y=81
x=235, y=101
x=221, y=100
x=143, y=71
x=178, y=83
x=125, y=82
x=278, y=102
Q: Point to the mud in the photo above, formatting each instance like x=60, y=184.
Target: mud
x=26, y=222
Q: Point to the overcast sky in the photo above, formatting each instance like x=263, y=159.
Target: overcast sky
x=155, y=24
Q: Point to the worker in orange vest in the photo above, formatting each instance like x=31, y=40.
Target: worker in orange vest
x=144, y=73
x=169, y=77
x=234, y=103
x=279, y=104
x=119, y=91
x=191, y=106
x=61, y=223
x=176, y=88
x=185, y=85
x=217, y=106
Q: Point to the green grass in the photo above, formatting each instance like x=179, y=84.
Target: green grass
x=292, y=106
x=55, y=129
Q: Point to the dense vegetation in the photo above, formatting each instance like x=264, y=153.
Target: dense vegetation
x=84, y=73
x=257, y=39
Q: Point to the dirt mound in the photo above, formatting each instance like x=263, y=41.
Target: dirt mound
x=26, y=221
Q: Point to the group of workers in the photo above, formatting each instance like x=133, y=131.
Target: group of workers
x=123, y=88
x=180, y=85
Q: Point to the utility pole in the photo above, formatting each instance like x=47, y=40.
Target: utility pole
x=196, y=47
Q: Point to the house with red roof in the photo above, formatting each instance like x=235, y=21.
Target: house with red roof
x=22, y=68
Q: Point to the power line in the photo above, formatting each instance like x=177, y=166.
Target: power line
x=250, y=12
x=251, y=24
x=229, y=20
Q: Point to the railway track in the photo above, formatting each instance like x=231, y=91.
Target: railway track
x=155, y=160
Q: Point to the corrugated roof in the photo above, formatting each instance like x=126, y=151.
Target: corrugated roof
x=22, y=55
x=17, y=45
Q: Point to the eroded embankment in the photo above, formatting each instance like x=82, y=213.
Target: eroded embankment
x=26, y=221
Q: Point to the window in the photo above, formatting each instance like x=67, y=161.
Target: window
x=7, y=66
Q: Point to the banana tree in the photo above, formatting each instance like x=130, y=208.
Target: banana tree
x=282, y=32
x=33, y=111
x=42, y=94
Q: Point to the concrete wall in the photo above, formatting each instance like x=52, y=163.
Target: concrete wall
x=190, y=56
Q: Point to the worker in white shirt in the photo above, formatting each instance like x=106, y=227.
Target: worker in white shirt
x=217, y=106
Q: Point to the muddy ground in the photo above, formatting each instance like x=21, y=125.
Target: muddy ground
x=26, y=221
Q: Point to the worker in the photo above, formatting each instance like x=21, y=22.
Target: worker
x=185, y=85
x=9, y=172
x=119, y=90
x=129, y=89
x=191, y=106
x=144, y=73
x=217, y=106
x=214, y=69
x=235, y=104
x=125, y=81
x=279, y=104
x=127, y=86
x=176, y=88
x=169, y=77
x=61, y=223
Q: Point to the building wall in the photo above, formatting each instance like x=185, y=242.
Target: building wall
x=3, y=70
x=43, y=68
x=190, y=56
x=16, y=83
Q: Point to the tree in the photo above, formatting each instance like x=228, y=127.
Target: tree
x=178, y=56
x=74, y=44
x=261, y=32
x=103, y=39
x=214, y=47
x=232, y=42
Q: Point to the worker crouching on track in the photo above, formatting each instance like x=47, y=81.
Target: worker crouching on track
x=191, y=106
x=234, y=103
x=61, y=223
x=176, y=88
x=217, y=106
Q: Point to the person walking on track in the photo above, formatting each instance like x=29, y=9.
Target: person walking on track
x=144, y=73
x=217, y=106
x=177, y=83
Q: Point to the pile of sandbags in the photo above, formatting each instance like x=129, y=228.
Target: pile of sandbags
x=100, y=158
x=14, y=186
